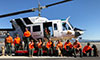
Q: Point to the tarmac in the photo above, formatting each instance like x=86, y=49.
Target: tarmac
x=46, y=58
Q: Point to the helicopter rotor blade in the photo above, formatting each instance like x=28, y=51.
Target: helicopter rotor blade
x=57, y=3
x=20, y=12
x=33, y=9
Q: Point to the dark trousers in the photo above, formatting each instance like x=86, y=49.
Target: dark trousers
x=8, y=48
x=16, y=47
x=68, y=51
x=75, y=50
x=50, y=51
x=40, y=52
x=26, y=43
x=89, y=51
x=31, y=51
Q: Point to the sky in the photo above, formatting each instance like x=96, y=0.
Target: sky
x=85, y=14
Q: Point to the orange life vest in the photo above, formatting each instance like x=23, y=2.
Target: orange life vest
x=27, y=34
x=39, y=45
x=9, y=39
x=48, y=45
x=59, y=45
x=47, y=32
x=77, y=45
x=31, y=45
x=86, y=48
x=68, y=44
x=17, y=40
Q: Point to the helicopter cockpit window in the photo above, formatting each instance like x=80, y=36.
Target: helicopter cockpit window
x=55, y=26
x=27, y=21
x=20, y=24
x=64, y=25
x=36, y=28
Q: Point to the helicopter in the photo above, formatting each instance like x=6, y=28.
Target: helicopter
x=59, y=29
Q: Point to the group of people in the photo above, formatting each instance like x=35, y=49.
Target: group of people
x=72, y=49
x=16, y=42
x=68, y=49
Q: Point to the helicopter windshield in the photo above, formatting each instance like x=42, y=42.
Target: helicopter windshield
x=27, y=21
x=64, y=26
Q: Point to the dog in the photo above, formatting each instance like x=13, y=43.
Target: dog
x=3, y=50
x=95, y=50
x=59, y=52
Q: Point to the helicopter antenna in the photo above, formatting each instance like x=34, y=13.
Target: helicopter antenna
x=39, y=8
x=34, y=9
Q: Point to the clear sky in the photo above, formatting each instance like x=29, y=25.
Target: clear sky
x=85, y=14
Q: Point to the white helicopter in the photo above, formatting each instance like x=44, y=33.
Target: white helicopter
x=59, y=29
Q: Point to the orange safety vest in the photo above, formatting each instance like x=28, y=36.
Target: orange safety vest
x=68, y=44
x=39, y=45
x=27, y=34
x=47, y=32
x=48, y=45
x=60, y=45
x=9, y=39
x=86, y=48
x=31, y=45
x=17, y=40
x=77, y=45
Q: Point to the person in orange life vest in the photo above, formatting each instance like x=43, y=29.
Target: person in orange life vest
x=47, y=33
x=17, y=42
x=68, y=48
x=27, y=34
x=31, y=48
x=59, y=46
x=77, y=47
x=87, y=49
x=8, y=44
x=49, y=47
x=40, y=47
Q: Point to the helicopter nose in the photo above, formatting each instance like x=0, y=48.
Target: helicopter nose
x=77, y=34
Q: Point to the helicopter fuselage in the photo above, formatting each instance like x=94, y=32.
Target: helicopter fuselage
x=36, y=25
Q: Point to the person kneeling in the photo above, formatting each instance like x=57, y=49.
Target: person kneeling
x=77, y=48
x=68, y=48
x=59, y=48
x=87, y=49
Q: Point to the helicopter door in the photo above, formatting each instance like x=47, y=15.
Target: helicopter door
x=57, y=29
x=48, y=30
x=37, y=31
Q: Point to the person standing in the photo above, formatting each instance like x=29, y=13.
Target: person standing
x=31, y=48
x=40, y=48
x=49, y=47
x=87, y=49
x=17, y=42
x=8, y=44
x=27, y=34
x=77, y=47
x=47, y=33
